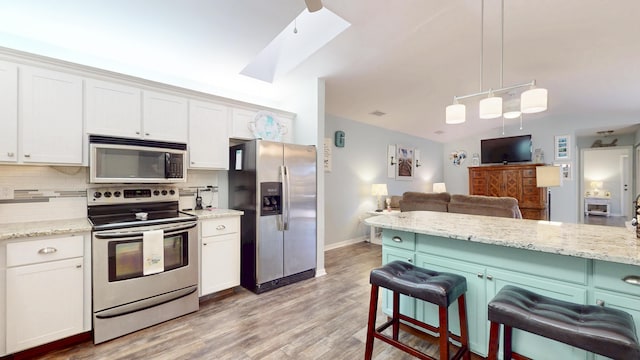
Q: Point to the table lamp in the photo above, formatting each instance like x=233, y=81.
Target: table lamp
x=439, y=187
x=379, y=190
x=548, y=176
x=595, y=187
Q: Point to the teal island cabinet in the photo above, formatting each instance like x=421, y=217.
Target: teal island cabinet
x=585, y=264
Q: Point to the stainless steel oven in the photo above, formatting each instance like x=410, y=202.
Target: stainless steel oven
x=124, y=298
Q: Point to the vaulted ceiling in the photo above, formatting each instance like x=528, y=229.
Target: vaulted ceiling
x=406, y=58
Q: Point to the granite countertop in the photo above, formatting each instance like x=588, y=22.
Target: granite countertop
x=43, y=228
x=614, y=244
x=214, y=213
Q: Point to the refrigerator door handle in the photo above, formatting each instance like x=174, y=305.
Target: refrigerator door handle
x=280, y=218
x=286, y=194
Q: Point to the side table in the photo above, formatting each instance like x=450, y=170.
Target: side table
x=372, y=233
x=597, y=206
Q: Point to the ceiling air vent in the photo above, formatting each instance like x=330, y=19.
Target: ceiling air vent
x=378, y=113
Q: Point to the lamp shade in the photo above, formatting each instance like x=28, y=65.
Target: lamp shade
x=548, y=176
x=491, y=108
x=533, y=101
x=596, y=185
x=379, y=189
x=439, y=187
x=511, y=108
x=456, y=114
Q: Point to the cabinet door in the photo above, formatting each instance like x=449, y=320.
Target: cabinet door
x=8, y=112
x=407, y=304
x=220, y=264
x=51, y=116
x=625, y=303
x=240, y=119
x=512, y=180
x=164, y=117
x=475, y=300
x=112, y=109
x=495, y=183
x=530, y=345
x=44, y=303
x=477, y=182
x=208, y=136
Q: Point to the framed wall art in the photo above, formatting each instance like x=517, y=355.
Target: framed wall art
x=404, y=162
x=565, y=170
x=562, y=148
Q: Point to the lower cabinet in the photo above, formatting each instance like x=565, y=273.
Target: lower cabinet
x=45, y=291
x=220, y=254
x=407, y=304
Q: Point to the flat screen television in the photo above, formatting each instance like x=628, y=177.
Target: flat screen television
x=506, y=149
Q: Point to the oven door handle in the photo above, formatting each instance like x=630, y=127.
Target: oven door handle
x=146, y=303
x=134, y=234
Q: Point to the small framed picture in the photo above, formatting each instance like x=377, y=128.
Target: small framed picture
x=404, y=166
x=565, y=170
x=562, y=147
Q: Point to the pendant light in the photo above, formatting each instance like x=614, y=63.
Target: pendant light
x=533, y=100
x=491, y=107
x=456, y=113
x=511, y=108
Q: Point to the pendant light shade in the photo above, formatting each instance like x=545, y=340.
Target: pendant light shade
x=491, y=107
x=533, y=101
x=456, y=114
x=511, y=108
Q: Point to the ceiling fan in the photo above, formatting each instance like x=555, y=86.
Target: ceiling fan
x=313, y=5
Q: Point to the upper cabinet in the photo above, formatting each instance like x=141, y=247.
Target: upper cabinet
x=8, y=112
x=164, y=117
x=113, y=109
x=249, y=124
x=50, y=106
x=208, y=136
x=120, y=110
x=240, y=123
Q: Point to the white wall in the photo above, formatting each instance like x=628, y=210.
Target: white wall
x=362, y=162
x=565, y=205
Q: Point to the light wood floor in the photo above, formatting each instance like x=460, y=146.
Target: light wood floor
x=605, y=220
x=321, y=318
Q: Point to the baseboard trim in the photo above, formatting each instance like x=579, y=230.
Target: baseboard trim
x=345, y=243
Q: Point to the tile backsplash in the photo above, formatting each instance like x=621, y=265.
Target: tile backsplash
x=43, y=193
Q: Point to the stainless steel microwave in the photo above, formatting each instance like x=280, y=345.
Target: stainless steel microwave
x=120, y=160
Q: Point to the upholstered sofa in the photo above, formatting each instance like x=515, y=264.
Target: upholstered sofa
x=462, y=204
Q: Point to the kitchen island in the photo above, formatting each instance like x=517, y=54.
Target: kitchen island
x=580, y=263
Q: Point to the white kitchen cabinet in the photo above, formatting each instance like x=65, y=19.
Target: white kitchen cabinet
x=113, y=109
x=220, y=254
x=50, y=117
x=239, y=125
x=208, y=136
x=164, y=117
x=45, y=291
x=8, y=112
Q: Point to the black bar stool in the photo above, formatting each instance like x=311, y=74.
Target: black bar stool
x=605, y=331
x=440, y=289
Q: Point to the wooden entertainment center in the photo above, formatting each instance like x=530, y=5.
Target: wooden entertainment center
x=517, y=181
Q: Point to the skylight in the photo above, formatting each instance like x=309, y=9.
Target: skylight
x=290, y=48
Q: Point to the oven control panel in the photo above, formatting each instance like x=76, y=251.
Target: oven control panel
x=129, y=194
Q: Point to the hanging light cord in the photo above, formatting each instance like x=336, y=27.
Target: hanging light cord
x=481, y=41
x=502, y=44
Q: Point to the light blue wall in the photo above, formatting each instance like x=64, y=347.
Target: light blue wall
x=362, y=162
x=566, y=201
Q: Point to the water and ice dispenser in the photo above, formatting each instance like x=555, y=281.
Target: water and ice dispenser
x=271, y=193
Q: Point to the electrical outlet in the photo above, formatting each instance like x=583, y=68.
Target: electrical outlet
x=6, y=193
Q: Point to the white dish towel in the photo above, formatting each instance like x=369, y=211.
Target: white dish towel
x=153, y=252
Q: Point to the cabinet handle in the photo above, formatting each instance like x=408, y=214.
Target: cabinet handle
x=489, y=277
x=78, y=266
x=204, y=244
x=27, y=155
x=220, y=227
x=397, y=239
x=147, y=134
x=193, y=163
x=632, y=279
x=480, y=275
x=47, y=250
x=600, y=302
x=10, y=154
x=137, y=132
x=410, y=260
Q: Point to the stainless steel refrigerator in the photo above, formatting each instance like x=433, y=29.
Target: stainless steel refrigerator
x=275, y=185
